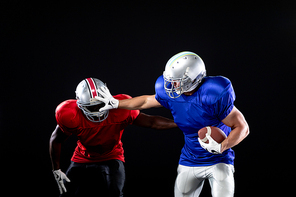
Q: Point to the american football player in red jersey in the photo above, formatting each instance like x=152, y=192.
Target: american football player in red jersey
x=97, y=163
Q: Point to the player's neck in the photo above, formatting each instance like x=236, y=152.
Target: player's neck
x=190, y=93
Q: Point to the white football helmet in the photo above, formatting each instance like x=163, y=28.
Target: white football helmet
x=86, y=92
x=183, y=72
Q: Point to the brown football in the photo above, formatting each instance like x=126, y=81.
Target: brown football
x=216, y=133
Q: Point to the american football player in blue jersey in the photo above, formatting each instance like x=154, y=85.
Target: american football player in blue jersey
x=195, y=101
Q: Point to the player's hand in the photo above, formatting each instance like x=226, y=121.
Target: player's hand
x=107, y=98
x=213, y=146
x=60, y=177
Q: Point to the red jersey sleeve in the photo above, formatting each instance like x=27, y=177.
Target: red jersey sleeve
x=66, y=116
x=133, y=115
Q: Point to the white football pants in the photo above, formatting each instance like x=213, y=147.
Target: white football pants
x=190, y=180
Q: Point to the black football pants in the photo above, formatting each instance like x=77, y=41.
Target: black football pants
x=95, y=179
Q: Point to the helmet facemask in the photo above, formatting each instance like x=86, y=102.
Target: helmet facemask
x=174, y=87
x=92, y=112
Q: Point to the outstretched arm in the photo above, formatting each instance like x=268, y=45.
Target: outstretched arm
x=154, y=122
x=140, y=102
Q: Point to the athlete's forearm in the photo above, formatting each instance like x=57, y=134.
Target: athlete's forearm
x=154, y=122
x=235, y=137
x=133, y=103
x=239, y=126
x=139, y=103
x=55, y=153
x=160, y=122
x=55, y=146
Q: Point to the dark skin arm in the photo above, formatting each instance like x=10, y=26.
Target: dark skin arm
x=55, y=144
x=154, y=122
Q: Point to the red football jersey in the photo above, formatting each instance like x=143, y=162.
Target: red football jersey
x=97, y=141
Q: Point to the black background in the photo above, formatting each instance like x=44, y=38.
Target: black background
x=47, y=48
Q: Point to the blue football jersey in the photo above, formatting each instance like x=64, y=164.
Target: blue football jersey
x=208, y=106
